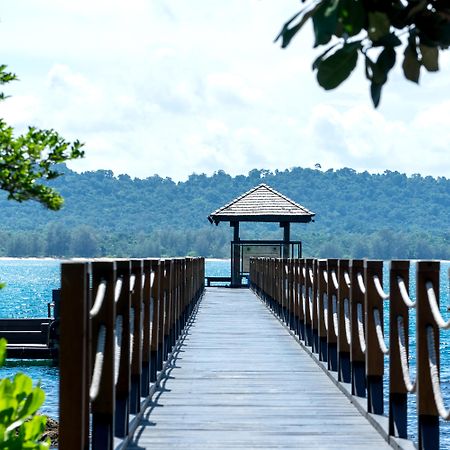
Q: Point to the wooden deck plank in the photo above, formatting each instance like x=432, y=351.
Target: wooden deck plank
x=240, y=381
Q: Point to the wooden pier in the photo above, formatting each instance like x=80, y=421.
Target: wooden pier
x=240, y=381
x=149, y=358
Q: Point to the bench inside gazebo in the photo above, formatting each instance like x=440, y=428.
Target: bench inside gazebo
x=260, y=204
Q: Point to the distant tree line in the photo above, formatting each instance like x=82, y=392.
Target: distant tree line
x=387, y=215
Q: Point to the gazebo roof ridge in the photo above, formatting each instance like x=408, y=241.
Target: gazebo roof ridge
x=261, y=208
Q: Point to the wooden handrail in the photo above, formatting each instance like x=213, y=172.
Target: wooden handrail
x=109, y=360
x=354, y=288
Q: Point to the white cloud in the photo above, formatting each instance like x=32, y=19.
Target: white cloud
x=173, y=88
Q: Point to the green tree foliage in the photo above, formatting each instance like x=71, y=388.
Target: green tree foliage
x=373, y=30
x=28, y=160
x=20, y=427
x=357, y=215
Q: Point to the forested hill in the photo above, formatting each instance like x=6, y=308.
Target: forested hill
x=357, y=214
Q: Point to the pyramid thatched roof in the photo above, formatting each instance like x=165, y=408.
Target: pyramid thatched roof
x=261, y=204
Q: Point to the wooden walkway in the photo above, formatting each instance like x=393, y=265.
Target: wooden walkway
x=240, y=381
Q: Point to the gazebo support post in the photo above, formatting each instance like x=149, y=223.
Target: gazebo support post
x=235, y=257
x=286, y=238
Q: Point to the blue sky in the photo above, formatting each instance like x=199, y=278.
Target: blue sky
x=175, y=87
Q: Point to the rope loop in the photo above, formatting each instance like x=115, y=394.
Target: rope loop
x=361, y=284
x=409, y=385
x=117, y=346
x=434, y=375
x=348, y=332
x=335, y=316
x=311, y=276
x=440, y=322
x=131, y=333
x=404, y=293
x=347, y=279
x=132, y=282
x=98, y=364
x=325, y=276
x=325, y=310
x=379, y=288
x=118, y=289
x=99, y=297
x=379, y=330
x=362, y=340
x=335, y=280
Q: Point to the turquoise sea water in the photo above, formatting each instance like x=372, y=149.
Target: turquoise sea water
x=29, y=285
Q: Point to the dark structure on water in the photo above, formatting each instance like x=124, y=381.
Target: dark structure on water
x=260, y=204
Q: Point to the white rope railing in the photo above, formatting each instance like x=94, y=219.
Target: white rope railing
x=118, y=289
x=434, y=375
x=152, y=279
x=347, y=279
x=98, y=364
x=334, y=279
x=379, y=288
x=360, y=320
x=311, y=275
x=304, y=272
x=117, y=346
x=325, y=309
x=379, y=330
x=143, y=281
x=325, y=276
x=335, y=316
x=132, y=333
x=310, y=303
x=404, y=293
x=409, y=385
x=99, y=297
x=132, y=282
x=348, y=332
x=303, y=300
x=361, y=284
x=440, y=321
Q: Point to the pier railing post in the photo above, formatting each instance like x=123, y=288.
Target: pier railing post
x=75, y=368
x=374, y=354
x=314, y=303
x=357, y=356
x=123, y=316
x=343, y=300
x=398, y=409
x=321, y=299
x=428, y=417
x=137, y=268
x=148, y=308
x=332, y=298
x=103, y=392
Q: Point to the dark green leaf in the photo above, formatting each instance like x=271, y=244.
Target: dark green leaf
x=286, y=34
x=322, y=55
x=379, y=25
x=332, y=71
x=375, y=93
x=325, y=21
x=389, y=40
x=411, y=64
x=430, y=57
x=352, y=16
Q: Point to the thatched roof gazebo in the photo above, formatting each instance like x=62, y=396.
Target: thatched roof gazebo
x=260, y=204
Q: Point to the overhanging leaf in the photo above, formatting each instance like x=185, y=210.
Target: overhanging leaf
x=352, y=15
x=332, y=71
x=430, y=57
x=375, y=93
x=411, y=64
x=378, y=25
x=325, y=20
x=286, y=34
